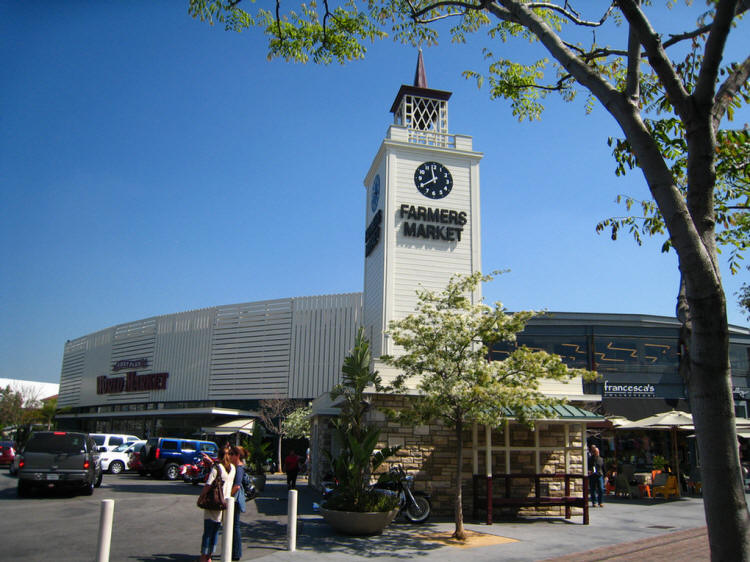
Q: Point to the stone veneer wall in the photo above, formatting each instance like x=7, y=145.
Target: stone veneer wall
x=428, y=452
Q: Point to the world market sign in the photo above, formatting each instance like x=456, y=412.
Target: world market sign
x=131, y=382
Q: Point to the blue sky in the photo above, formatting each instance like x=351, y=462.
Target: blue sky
x=152, y=164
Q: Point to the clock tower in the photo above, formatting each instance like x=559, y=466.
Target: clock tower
x=422, y=210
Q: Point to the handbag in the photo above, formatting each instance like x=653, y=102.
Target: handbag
x=212, y=496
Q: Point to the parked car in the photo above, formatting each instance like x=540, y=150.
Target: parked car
x=13, y=468
x=163, y=456
x=110, y=441
x=59, y=459
x=116, y=461
x=134, y=461
x=7, y=453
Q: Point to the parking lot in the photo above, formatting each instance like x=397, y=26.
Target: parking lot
x=154, y=520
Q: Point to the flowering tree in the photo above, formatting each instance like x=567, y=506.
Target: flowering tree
x=446, y=358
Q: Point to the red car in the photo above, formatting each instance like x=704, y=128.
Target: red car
x=7, y=453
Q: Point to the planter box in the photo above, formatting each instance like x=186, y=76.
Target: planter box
x=358, y=523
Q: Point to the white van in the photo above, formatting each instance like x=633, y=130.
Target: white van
x=110, y=441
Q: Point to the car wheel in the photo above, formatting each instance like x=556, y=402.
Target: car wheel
x=24, y=489
x=88, y=490
x=171, y=471
x=98, y=480
x=116, y=467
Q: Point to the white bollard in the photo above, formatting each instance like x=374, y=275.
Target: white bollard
x=227, y=523
x=106, y=517
x=291, y=531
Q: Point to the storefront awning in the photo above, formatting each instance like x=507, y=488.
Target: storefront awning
x=234, y=426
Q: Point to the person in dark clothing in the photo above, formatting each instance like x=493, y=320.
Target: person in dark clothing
x=291, y=467
x=238, y=492
x=596, y=476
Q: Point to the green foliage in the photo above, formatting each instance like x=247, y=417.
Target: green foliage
x=743, y=296
x=659, y=462
x=258, y=449
x=11, y=407
x=731, y=197
x=297, y=424
x=357, y=459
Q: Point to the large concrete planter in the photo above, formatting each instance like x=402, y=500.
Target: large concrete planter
x=358, y=523
x=260, y=482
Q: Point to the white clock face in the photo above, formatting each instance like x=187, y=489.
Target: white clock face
x=375, y=195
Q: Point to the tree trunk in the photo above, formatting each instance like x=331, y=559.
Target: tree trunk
x=279, y=466
x=459, y=533
x=713, y=412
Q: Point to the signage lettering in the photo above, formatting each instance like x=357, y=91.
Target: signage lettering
x=131, y=364
x=629, y=390
x=437, y=231
x=131, y=382
x=372, y=234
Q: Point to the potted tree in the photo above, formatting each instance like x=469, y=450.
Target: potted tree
x=353, y=508
x=258, y=451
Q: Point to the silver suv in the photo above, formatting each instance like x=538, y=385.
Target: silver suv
x=54, y=459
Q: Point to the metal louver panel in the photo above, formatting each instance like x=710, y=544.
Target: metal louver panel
x=136, y=340
x=250, y=350
x=71, y=375
x=323, y=331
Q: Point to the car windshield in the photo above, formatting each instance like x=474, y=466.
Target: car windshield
x=122, y=448
x=56, y=443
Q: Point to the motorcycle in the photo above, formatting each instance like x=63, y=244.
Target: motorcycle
x=196, y=472
x=415, y=506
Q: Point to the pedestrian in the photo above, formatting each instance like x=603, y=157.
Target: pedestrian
x=596, y=476
x=291, y=467
x=238, y=492
x=225, y=470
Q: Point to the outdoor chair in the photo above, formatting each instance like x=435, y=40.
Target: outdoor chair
x=666, y=485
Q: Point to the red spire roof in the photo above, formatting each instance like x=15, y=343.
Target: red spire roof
x=420, y=76
x=420, y=87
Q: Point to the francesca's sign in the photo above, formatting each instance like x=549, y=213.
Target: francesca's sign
x=629, y=390
x=131, y=382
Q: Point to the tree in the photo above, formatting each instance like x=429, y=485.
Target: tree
x=47, y=412
x=17, y=404
x=445, y=350
x=273, y=412
x=297, y=423
x=744, y=298
x=700, y=96
x=357, y=459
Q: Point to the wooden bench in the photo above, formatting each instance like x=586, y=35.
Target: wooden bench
x=486, y=500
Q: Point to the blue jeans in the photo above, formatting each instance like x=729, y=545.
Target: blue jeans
x=236, y=536
x=210, y=536
x=597, y=488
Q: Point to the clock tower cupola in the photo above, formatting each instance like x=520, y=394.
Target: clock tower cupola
x=422, y=222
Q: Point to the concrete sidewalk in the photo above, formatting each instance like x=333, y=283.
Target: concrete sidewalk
x=622, y=530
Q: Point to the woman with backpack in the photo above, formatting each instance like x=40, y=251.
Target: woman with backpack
x=225, y=470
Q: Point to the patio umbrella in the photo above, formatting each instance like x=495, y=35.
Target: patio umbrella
x=672, y=420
